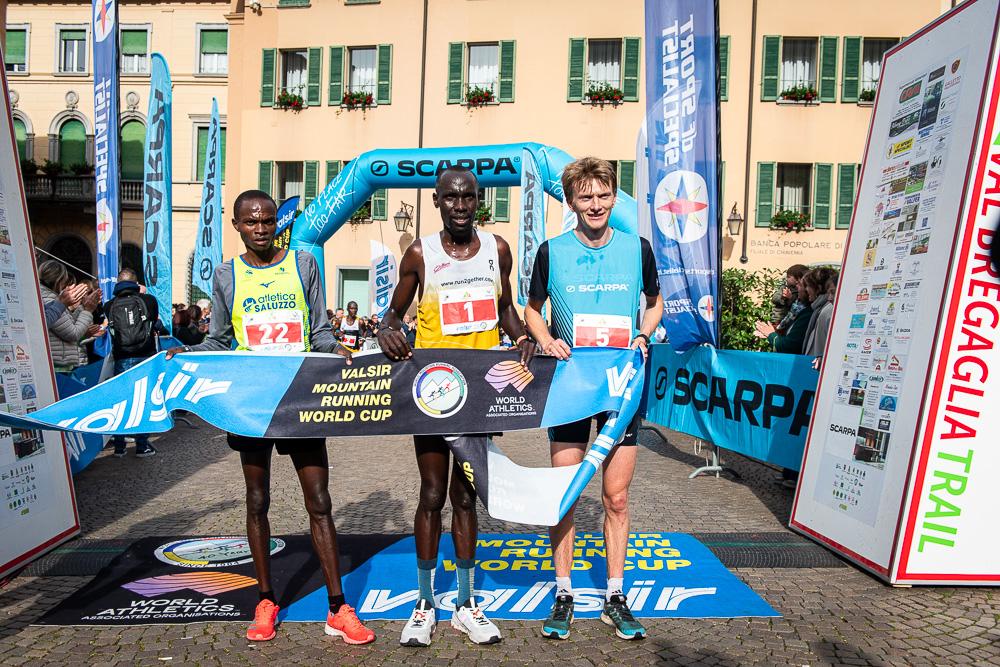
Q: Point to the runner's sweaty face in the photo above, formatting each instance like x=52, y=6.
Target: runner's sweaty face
x=592, y=202
x=257, y=222
x=458, y=199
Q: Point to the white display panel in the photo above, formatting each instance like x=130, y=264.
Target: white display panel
x=37, y=505
x=899, y=256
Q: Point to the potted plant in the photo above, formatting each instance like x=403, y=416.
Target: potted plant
x=362, y=215
x=28, y=167
x=476, y=96
x=788, y=220
x=289, y=100
x=81, y=169
x=50, y=168
x=605, y=93
x=483, y=214
x=358, y=98
x=867, y=95
x=800, y=93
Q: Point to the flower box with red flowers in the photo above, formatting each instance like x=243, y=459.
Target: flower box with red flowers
x=605, y=93
x=789, y=220
x=289, y=100
x=476, y=96
x=357, y=98
x=800, y=93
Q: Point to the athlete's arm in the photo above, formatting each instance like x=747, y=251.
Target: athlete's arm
x=509, y=321
x=538, y=292
x=654, y=300
x=390, y=337
x=220, y=331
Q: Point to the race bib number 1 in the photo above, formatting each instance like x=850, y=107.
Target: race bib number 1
x=274, y=331
x=468, y=310
x=349, y=339
x=601, y=330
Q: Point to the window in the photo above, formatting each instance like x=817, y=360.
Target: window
x=489, y=66
x=871, y=62
x=73, y=50
x=202, y=132
x=15, y=53
x=72, y=143
x=133, y=151
x=596, y=64
x=21, y=136
x=362, y=70
x=798, y=63
x=353, y=286
x=135, y=50
x=792, y=187
x=289, y=181
x=213, y=50
x=294, y=66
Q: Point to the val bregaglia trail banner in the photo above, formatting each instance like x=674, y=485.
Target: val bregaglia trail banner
x=106, y=170
x=434, y=392
x=682, y=148
x=532, y=223
x=383, y=278
x=754, y=403
x=157, y=208
x=208, y=241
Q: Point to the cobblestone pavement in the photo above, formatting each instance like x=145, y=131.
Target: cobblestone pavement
x=829, y=615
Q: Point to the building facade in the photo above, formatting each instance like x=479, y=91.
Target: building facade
x=50, y=76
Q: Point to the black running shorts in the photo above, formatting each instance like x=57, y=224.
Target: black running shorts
x=579, y=431
x=285, y=446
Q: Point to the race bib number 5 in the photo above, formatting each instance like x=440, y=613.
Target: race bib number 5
x=601, y=330
x=468, y=310
x=274, y=331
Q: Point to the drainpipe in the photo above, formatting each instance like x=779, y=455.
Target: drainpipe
x=746, y=190
x=420, y=129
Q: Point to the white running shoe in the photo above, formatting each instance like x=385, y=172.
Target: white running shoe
x=471, y=620
x=420, y=627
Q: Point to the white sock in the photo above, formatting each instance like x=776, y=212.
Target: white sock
x=614, y=588
x=564, y=586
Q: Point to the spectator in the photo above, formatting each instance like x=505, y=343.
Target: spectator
x=410, y=330
x=132, y=315
x=206, y=315
x=822, y=307
x=373, y=326
x=72, y=326
x=790, y=338
x=784, y=296
x=185, y=329
x=94, y=331
x=69, y=298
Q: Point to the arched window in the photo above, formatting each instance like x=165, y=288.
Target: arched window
x=21, y=135
x=72, y=142
x=130, y=257
x=75, y=251
x=133, y=149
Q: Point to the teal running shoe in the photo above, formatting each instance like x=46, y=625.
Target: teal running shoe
x=556, y=626
x=616, y=613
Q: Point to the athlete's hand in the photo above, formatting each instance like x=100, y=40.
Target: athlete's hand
x=344, y=352
x=558, y=348
x=394, y=345
x=174, y=350
x=640, y=343
x=527, y=348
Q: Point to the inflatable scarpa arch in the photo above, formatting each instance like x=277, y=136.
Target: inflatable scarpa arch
x=494, y=166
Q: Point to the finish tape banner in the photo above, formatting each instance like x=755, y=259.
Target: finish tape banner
x=754, y=403
x=434, y=392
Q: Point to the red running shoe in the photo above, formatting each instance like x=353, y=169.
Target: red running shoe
x=264, y=620
x=345, y=623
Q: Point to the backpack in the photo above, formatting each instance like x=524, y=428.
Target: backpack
x=130, y=323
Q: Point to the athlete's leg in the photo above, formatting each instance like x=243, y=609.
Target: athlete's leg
x=432, y=463
x=464, y=523
x=562, y=535
x=313, y=470
x=257, y=474
x=618, y=469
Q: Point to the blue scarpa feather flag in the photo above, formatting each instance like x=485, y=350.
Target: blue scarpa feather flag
x=532, y=223
x=157, y=194
x=208, y=241
x=434, y=392
x=682, y=147
x=106, y=174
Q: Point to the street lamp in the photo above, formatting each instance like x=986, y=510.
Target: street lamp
x=735, y=221
x=403, y=217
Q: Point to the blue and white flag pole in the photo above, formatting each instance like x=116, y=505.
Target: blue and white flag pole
x=208, y=241
x=106, y=142
x=157, y=207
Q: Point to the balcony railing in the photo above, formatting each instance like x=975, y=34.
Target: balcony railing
x=75, y=188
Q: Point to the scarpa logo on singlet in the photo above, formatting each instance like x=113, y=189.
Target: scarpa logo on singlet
x=609, y=287
x=269, y=302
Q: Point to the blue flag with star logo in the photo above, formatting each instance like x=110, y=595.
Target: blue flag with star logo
x=683, y=156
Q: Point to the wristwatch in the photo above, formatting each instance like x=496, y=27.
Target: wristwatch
x=642, y=335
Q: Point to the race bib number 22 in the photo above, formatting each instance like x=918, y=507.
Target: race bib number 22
x=274, y=331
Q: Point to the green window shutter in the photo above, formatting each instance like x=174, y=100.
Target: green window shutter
x=723, y=68
x=845, y=194
x=332, y=170
x=202, y=152
x=821, y=196
x=314, y=78
x=222, y=153
x=827, y=69
x=133, y=150
x=770, y=70
x=456, y=62
x=311, y=184
x=383, y=86
x=506, y=71
x=852, y=70
x=380, y=204
x=267, y=59
x=72, y=142
x=765, y=193
x=264, y=179
x=336, y=95
x=134, y=42
x=70, y=35
x=215, y=41
x=21, y=136
x=626, y=177
x=630, y=66
x=577, y=69
x=501, y=204
x=14, y=51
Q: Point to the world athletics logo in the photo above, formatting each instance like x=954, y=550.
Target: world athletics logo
x=509, y=373
x=210, y=551
x=440, y=390
x=206, y=583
